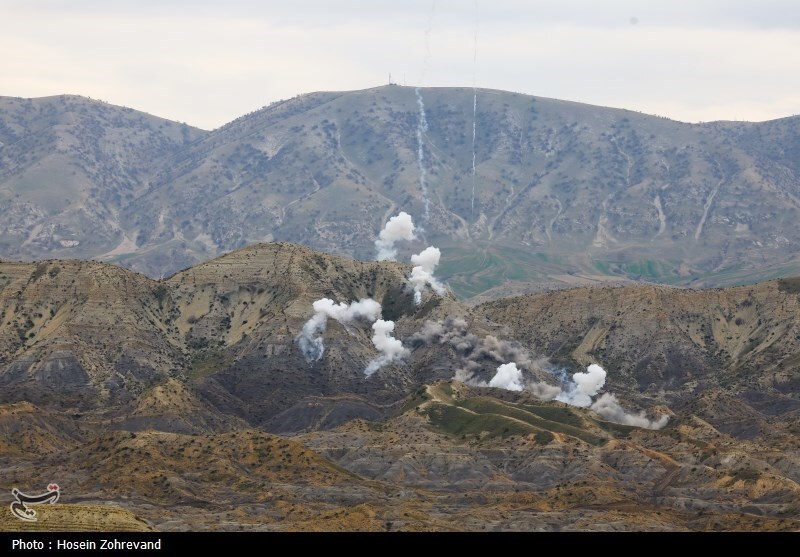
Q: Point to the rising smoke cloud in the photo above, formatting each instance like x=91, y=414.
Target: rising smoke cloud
x=608, y=407
x=311, y=345
x=519, y=370
x=474, y=354
x=580, y=391
x=400, y=227
x=391, y=349
x=583, y=387
x=422, y=273
x=508, y=377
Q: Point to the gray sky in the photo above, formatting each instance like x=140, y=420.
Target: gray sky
x=206, y=62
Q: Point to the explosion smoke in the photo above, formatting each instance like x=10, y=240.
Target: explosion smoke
x=422, y=274
x=518, y=370
x=584, y=386
x=400, y=227
x=391, y=348
x=508, y=377
x=608, y=407
x=422, y=128
x=475, y=353
x=312, y=346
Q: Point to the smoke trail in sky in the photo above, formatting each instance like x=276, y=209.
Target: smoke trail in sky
x=422, y=129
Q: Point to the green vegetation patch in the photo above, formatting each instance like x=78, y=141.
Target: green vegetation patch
x=459, y=422
x=544, y=437
x=397, y=302
x=470, y=270
x=482, y=405
x=554, y=414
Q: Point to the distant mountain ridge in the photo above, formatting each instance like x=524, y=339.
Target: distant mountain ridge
x=564, y=193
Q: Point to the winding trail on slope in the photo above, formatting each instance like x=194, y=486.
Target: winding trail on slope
x=317, y=187
x=603, y=236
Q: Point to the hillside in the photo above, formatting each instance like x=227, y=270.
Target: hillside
x=564, y=193
x=71, y=329
x=659, y=337
x=189, y=402
x=69, y=168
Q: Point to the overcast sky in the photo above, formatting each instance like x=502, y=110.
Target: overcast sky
x=206, y=62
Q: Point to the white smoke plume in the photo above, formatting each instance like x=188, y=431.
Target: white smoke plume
x=422, y=273
x=476, y=356
x=523, y=372
x=584, y=386
x=400, y=227
x=508, y=377
x=391, y=349
x=344, y=313
x=608, y=407
x=311, y=345
x=422, y=129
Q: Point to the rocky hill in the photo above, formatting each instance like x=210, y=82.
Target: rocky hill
x=190, y=403
x=665, y=338
x=561, y=193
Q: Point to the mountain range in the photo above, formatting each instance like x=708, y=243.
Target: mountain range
x=521, y=193
x=189, y=402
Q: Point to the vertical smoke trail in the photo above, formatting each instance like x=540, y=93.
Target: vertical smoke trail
x=422, y=128
x=474, y=111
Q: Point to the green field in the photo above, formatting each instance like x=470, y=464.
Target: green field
x=470, y=270
x=486, y=417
